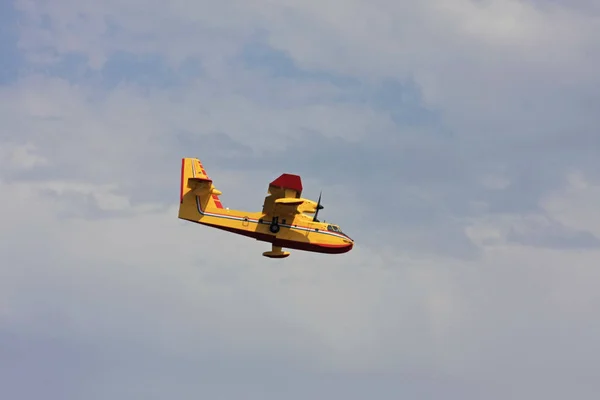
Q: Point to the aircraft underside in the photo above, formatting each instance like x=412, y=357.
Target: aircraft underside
x=278, y=243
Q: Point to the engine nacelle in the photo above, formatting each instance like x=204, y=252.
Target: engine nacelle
x=308, y=207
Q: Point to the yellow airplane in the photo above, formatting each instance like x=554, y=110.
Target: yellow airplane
x=283, y=221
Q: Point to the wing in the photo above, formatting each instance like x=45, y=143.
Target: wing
x=284, y=195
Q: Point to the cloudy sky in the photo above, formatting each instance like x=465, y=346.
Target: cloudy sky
x=456, y=141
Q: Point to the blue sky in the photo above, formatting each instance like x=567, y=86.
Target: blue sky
x=457, y=144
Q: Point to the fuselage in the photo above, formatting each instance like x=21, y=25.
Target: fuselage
x=296, y=231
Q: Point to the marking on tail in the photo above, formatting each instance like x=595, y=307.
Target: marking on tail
x=217, y=201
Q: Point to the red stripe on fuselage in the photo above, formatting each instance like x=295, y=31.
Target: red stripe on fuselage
x=289, y=244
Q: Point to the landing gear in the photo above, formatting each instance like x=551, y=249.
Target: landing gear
x=274, y=227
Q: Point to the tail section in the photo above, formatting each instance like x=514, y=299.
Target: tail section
x=198, y=194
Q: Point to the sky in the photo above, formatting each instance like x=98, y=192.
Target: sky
x=456, y=142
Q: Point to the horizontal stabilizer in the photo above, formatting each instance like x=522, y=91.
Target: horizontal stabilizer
x=200, y=184
x=192, y=182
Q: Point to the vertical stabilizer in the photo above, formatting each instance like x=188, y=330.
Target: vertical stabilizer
x=197, y=191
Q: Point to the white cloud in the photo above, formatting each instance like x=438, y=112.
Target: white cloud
x=576, y=206
x=174, y=286
x=96, y=255
x=21, y=156
x=169, y=285
x=491, y=68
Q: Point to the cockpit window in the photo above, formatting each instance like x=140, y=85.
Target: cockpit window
x=334, y=228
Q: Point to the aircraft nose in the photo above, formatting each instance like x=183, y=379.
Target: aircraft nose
x=349, y=245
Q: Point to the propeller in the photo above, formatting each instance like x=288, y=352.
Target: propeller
x=319, y=207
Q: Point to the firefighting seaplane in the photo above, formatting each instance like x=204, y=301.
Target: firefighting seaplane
x=284, y=221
